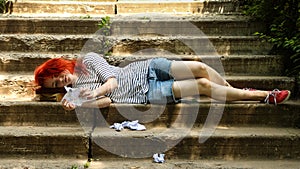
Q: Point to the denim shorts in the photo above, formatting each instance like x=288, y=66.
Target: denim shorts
x=160, y=82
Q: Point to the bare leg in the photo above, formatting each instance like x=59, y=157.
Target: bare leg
x=203, y=86
x=182, y=70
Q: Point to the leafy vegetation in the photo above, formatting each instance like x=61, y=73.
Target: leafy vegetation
x=2, y=5
x=85, y=166
x=282, y=19
x=105, y=29
x=104, y=25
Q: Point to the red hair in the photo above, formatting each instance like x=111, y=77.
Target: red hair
x=52, y=67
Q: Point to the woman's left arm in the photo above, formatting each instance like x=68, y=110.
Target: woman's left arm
x=105, y=73
x=107, y=87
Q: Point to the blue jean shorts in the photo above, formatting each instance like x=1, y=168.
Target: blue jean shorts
x=160, y=82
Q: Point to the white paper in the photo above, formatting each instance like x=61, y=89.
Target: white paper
x=73, y=96
x=159, y=158
x=132, y=125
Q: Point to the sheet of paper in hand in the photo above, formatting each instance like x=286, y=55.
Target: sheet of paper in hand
x=73, y=96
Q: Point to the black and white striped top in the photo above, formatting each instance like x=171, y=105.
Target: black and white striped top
x=132, y=79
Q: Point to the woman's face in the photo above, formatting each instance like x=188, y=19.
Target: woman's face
x=65, y=78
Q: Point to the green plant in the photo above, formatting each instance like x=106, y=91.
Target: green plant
x=104, y=25
x=2, y=5
x=105, y=30
x=86, y=165
x=282, y=20
x=74, y=167
x=86, y=17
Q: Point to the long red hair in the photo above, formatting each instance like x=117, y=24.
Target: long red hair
x=52, y=67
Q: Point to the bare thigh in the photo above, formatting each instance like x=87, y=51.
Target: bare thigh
x=181, y=70
x=191, y=87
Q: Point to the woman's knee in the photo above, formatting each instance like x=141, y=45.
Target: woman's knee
x=203, y=83
x=199, y=69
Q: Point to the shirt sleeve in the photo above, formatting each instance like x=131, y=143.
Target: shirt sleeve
x=99, y=66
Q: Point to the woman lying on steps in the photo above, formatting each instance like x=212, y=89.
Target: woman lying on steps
x=150, y=81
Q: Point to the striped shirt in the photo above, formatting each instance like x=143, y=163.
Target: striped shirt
x=132, y=79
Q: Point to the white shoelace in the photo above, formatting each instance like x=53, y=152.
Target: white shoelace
x=274, y=94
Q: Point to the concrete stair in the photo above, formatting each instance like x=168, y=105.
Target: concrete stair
x=34, y=133
x=111, y=7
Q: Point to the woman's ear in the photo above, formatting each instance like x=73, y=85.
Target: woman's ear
x=33, y=85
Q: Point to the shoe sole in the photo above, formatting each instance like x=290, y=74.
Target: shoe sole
x=287, y=98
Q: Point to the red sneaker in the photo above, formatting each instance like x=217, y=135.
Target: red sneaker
x=277, y=97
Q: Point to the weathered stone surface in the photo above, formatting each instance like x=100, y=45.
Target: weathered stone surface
x=263, y=82
x=14, y=89
x=50, y=141
x=230, y=141
x=225, y=143
x=127, y=163
x=247, y=130
x=233, y=114
x=227, y=45
x=177, y=7
x=30, y=113
x=141, y=24
x=255, y=65
x=111, y=7
x=64, y=8
x=138, y=24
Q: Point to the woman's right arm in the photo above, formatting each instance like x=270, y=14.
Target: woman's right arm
x=107, y=87
x=99, y=103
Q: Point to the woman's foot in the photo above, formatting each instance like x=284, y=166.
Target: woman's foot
x=277, y=97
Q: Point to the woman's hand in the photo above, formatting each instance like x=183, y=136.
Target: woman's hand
x=67, y=105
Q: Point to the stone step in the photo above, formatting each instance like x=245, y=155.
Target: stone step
x=34, y=162
x=247, y=130
x=262, y=82
x=127, y=163
x=253, y=65
x=178, y=7
x=135, y=25
x=194, y=164
x=96, y=8
x=196, y=114
x=178, y=143
x=70, y=0
x=211, y=45
x=63, y=8
x=16, y=87
x=19, y=86
x=167, y=25
x=32, y=113
x=205, y=45
x=229, y=65
x=223, y=143
x=43, y=141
